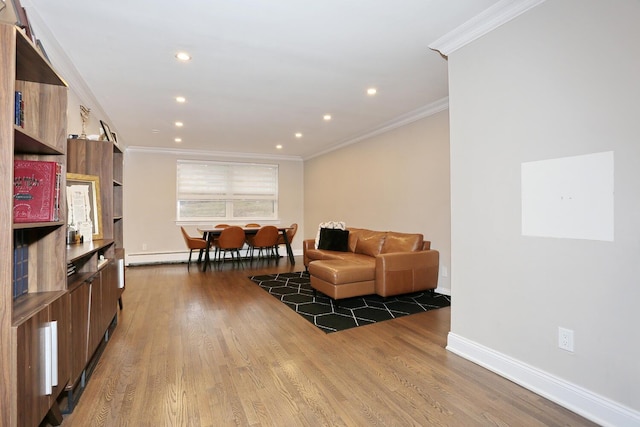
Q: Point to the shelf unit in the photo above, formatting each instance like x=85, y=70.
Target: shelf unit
x=97, y=285
x=118, y=181
x=26, y=396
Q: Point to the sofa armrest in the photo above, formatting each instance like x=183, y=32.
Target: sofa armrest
x=405, y=272
x=306, y=245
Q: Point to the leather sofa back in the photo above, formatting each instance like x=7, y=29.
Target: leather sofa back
x=401, y=242
x=373, y=243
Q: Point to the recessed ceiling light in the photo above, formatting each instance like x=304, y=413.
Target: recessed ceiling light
x=183, y=56
x=178, y=140
x=279, y=146
x=298, y=135
x=181, y=99
x=179, y=124
x=372, y=91
x=327, y=117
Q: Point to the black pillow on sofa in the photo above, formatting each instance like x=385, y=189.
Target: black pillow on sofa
x=333, y=239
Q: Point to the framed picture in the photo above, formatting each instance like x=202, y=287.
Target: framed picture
x=107, y=131
x=84, y=210
x=22, y=20
x=114, y=137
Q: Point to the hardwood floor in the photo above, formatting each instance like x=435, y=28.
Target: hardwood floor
x=213, y=349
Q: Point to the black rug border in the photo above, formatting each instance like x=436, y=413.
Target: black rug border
x=294, y=290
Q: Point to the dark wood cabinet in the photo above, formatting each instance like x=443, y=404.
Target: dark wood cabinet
x=33, y=403
x=78, y=347
x=42, y=361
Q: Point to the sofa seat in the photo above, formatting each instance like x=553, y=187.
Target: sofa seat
x=343, y=278
x=323, y=254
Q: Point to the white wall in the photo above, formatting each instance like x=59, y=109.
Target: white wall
x=561, y=80
x=395, y=181
x=150, y=202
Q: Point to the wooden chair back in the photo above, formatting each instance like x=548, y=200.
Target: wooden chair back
x=266, y=237
x=231, y=238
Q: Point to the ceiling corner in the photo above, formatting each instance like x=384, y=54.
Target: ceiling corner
x=492, y=18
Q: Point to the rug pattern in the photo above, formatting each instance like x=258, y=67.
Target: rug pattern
x=294, y=290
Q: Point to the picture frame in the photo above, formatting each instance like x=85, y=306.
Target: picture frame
x=114, y=137
x=106, y=130
x=22, y=21
x=84, y=208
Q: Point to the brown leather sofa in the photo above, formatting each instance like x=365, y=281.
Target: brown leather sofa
x=385, y=263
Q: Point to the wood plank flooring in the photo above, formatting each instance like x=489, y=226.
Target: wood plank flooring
x=213, y=349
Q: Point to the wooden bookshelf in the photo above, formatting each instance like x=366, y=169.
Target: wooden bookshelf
x=95, y=289
x=24, y=399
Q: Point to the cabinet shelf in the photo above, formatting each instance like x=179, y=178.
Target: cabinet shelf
x=82, y=250
x=31, y=66
x=26, y=225
x=26, y=143
x=78, y=279
x=26, y=306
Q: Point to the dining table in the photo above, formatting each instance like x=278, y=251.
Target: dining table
x=211, y=232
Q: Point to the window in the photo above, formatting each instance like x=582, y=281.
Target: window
x=226, y=191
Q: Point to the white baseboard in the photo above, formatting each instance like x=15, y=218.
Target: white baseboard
x=590, y=405
x=443, y=291
x=173, y=257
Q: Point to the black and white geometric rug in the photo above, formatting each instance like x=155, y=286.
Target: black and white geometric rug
x=294, y=290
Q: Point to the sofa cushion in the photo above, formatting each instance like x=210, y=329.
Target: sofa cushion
x=353, y=237
x=334, y=239
x=401, y=242
x=369, y=242
x=344, y=271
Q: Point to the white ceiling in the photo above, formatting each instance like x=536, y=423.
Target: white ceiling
x=261, y=70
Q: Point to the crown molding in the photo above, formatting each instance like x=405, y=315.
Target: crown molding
x=487, y=21
x=410, y=117
x=207, y=153
x=405, y=119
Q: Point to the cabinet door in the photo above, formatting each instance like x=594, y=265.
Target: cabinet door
x=59, y=312
x=79, y=300
x=110, y=292
x=96, y=332
x=33, y=402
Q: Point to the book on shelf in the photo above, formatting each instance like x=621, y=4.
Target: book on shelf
x=20, y=264
x=19, y=109
x=71, y=269
x=36, y=191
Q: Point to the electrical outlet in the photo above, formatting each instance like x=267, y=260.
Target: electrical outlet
x=444, y=272
x=565, y=339
x=144, y=246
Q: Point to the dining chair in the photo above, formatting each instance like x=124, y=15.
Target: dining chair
x=193, y=243
x=291, y=232
x=231, y=240
x=265, y=239
x=252, y=225
x=215, y=239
